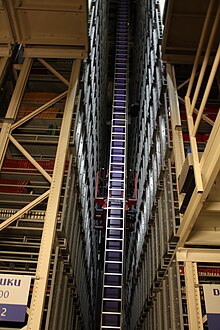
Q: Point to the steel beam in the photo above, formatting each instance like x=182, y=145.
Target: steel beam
x=205, y=60
x=53, y=281
x=52, y=70
x=193, y=296
x=193, y=144
x=38, y=110
x=207, y=90
x=204, y=117
x=13, y=107
x=198, y=255
x=209, y=172
x=200, y=46
x=178, y=146
x=24, y=210
x=30, y=158
x=3, y=62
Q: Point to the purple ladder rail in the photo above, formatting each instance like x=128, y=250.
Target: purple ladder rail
x=112, y=294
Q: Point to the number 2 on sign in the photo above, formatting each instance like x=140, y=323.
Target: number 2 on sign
x=3, y=311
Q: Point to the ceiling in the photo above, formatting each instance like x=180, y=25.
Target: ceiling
x=54, y=27
x=183, y=23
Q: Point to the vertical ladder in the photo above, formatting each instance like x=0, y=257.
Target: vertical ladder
x=112, y=294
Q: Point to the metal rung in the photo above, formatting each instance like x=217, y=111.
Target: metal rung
x=121, y=51
x=117, y=126
x=118, y=78
x=117, y=133
x=113, y=228
x=117, y=58
x=114, y=149
x=121, y=42
x=117, y=164
x=113, y=286
x=114, y=239
x=119, y=106
x=119, y=119
x=112, y=299
x=111, y=313
x=109, y=327
x=117, y=172
x=113, y=262
x=110, y=250
x=115, y=140
x=113, y=274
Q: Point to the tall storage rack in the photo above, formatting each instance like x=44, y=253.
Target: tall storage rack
x=43, y=229
x=177, y=248
x=151, y=269
x=90, y=137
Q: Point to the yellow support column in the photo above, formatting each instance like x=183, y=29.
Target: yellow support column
x=40, y=285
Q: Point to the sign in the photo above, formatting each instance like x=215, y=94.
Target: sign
x=212, y=303
x=14, y=291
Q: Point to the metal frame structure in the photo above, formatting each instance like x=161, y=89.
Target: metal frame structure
x=55, y=181
x=205, y=172
x=203, y=200
x=52, y=143
x=181, y=208
x=37, y=302
x=53, y=37
x=191, y=257
x=38, y=143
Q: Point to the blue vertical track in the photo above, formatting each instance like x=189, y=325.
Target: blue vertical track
x=112, y=294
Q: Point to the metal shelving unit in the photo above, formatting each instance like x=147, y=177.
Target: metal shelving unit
x=27, y=170
x=171, y=218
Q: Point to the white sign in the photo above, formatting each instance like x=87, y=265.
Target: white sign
x=212, y=303
x=14, y=291
x=212, y=298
